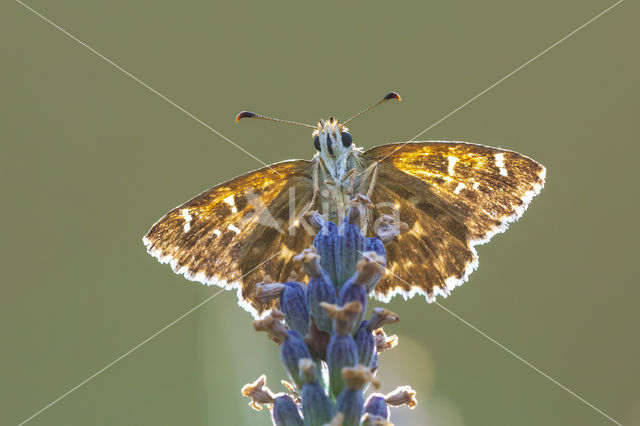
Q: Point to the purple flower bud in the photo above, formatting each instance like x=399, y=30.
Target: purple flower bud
x=375, y=244
x=316, y=405
x=350, y=292
x=350, y=403
x=320, y=289
x=293, y=304
x=285, y=412
x=325, y=243
x=377, y=406
x=366, y=344
x=292, y=350
x=349, y=249
x=341, y=352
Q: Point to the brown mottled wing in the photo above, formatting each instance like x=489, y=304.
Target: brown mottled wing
x=453, y=195
x=238, y=231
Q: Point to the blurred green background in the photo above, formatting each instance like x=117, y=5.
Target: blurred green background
x=90, y=159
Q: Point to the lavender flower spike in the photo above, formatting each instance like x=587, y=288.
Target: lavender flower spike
x=327, y=349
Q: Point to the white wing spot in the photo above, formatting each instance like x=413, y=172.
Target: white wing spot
x=459, y=188
x=500, y=164
x=452, y=162
x=217, y=232
x=229, y=200
x=476, y=185
x=417, y=229
x=187, y=219
x=234, y=228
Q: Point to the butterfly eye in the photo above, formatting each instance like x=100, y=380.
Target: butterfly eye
x=347, y=140
x=316, y=143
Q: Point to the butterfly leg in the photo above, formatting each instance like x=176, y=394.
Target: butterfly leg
x=367, y=172
x=373, y=171
x=324, y=167
x=328, y=183
x=315, y=187
x=351, y=177
x=374, y=178
x=315, y=184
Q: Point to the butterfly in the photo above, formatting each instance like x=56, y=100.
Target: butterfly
x=451, y=195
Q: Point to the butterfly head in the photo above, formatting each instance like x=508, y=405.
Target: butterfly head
x=331, y=138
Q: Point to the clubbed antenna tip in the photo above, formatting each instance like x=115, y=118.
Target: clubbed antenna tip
x=392, y=95
x=245, y=114
x=388, y=96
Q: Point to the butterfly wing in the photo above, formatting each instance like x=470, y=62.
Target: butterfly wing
x=453, y=196
x=235, y=233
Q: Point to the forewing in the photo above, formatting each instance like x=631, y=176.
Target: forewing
x=453, y=196
x=239, y=231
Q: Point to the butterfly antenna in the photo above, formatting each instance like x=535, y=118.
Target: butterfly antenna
x=249, y=114
x=392, y=95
